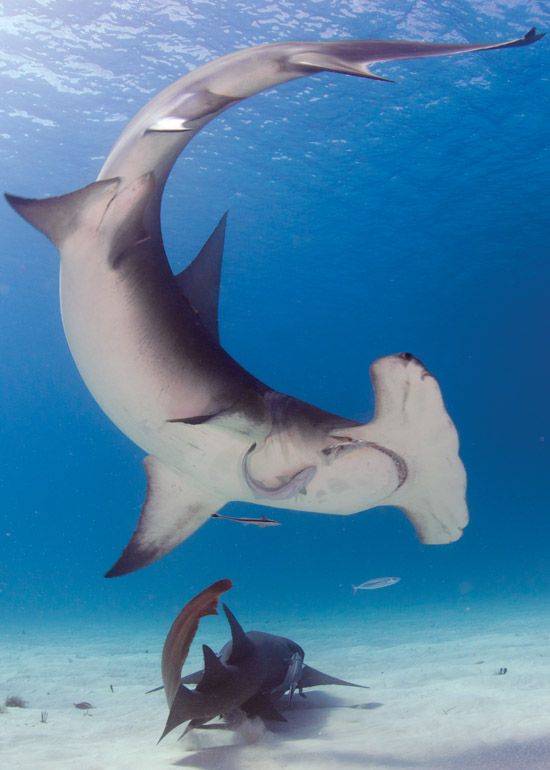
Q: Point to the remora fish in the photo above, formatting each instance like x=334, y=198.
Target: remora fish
x=263, y=521
x=372, y=585
x=250, y=674
x=146, y=342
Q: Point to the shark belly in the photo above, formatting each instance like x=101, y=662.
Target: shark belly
x=141, y=368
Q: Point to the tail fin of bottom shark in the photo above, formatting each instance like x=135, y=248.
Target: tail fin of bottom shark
x=188, y=706
x=411, y=424
x=174, y=508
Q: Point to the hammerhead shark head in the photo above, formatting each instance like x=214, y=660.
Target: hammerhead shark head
x=146, y=341
x=249, y=675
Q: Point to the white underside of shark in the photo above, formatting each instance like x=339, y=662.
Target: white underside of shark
x=146, y=341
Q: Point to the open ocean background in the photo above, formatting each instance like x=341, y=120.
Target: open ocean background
x=365, y=218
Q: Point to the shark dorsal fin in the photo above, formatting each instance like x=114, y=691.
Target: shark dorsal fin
x=200, y=281
x=241, y=644
x=61, y=215
x=214, y=671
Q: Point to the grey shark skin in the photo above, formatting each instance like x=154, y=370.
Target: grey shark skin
x=146, y=342
x=249, y=674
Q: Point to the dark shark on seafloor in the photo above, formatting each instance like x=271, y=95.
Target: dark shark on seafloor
x=248, y=676
x=146, y=341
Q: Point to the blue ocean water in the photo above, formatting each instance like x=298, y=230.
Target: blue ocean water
x=365, y=218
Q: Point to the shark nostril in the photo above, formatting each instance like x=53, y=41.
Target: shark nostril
x=406, y=356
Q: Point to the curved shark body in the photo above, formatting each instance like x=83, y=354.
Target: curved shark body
x=146, y=341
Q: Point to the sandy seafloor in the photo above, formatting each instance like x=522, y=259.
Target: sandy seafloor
x=435, y=700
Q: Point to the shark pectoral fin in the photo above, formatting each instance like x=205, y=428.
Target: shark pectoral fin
x=412, y=426
x=200, y=281
x=59, y=216
x=249, y=416
x=261, y=705
x=193, y=678
x=174, y=508
x=312, y=678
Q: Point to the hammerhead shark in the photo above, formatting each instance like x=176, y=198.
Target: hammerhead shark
x=146, y=341
x=248, y=676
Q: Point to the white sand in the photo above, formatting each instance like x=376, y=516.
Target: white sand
x=441, y=705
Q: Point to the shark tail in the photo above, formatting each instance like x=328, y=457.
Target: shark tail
x=188, y=706
x=352, y=57
x=412, y=426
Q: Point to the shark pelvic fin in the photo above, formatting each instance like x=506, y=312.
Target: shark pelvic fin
x=59, y=216
x=200, y=281
x=174, y=508
x=241, y=646
x=261, y=705
x=312, y=678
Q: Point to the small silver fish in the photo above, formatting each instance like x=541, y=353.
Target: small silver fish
x=263, y=521
x=370, y=585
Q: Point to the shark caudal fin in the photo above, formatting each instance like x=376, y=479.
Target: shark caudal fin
x=189, y=706
x=352, y=57
x=411, y=424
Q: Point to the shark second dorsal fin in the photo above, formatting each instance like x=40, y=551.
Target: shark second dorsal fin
x=241, y=646
x=200, y=281
x=214, y=671
x=174, y=508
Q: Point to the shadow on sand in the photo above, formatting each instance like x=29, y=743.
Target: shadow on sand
x=306, y=719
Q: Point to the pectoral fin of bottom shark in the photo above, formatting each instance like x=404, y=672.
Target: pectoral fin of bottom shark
x=313, y=678
x=174, y=508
